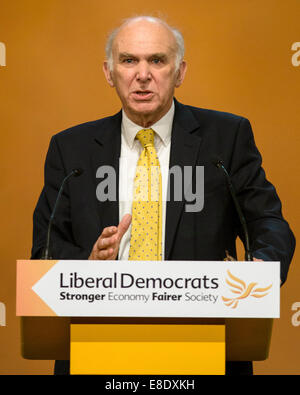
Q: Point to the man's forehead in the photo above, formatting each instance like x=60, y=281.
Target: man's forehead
x=144, y=37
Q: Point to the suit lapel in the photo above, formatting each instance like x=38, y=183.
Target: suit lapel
x=184, y=152
x=106, y=152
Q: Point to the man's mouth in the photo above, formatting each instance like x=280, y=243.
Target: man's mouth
x=142, y=94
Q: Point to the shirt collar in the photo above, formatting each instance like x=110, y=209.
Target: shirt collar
x=163, y=127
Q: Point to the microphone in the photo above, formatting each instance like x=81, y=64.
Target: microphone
x=74, y=173
x=219, y=164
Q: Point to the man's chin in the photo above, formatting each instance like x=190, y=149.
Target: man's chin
x=144, y=107
x=145, y=112
x=142, y=111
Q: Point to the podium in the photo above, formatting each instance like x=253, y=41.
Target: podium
x=144, y=318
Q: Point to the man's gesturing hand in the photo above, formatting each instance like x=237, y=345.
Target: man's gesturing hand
x=107, y=245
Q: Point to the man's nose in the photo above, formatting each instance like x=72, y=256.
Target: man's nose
x=143, y=72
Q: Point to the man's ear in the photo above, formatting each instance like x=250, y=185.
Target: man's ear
x=181, y=73
x=107, y=74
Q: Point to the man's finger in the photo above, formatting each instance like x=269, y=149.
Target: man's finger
x=107, y=232
x=106, y=242
x=105, y=254
x=124, y=225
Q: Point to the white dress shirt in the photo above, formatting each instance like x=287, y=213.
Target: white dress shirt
x=131, y=150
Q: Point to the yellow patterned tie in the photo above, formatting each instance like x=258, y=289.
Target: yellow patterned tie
x=146, y=232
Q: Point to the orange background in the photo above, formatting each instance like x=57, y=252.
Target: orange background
x=239, y=60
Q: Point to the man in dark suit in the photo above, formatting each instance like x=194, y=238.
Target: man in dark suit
x=145, y=64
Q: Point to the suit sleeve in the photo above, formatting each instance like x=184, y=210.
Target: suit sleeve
x=271, y=238
x=62, y=244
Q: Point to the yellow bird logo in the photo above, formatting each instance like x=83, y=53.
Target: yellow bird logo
x=240, y=288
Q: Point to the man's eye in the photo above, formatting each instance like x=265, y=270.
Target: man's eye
x=156, y=60
x=128, y=61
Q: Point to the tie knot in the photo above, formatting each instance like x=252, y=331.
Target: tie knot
x=146, y=137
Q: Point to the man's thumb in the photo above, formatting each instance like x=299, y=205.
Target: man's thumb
x=124, y=225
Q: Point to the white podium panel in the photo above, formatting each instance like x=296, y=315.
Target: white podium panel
x=148, y=289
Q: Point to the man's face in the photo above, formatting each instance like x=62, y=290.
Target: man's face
x=144, y=72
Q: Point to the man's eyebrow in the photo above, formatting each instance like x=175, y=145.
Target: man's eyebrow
x=123, y=55
x=160, y=55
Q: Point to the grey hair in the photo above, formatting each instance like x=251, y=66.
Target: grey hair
x=176, y=33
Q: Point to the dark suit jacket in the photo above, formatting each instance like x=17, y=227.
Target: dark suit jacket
x=198, y=137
